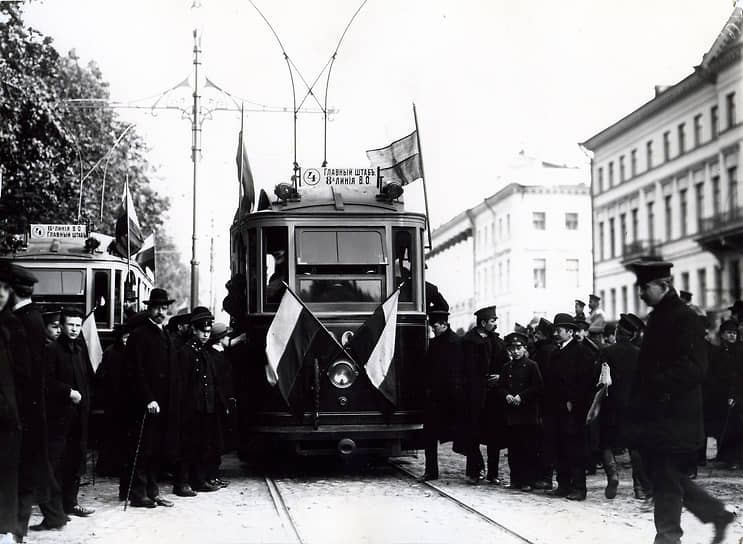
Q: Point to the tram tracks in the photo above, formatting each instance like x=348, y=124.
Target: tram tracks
x=285, y=516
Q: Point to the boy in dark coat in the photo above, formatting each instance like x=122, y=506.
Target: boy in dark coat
x=519, y=389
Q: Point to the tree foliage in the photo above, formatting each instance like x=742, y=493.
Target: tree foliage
x=48, y=144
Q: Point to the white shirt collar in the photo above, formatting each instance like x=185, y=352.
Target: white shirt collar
x=21, y=304
x=565, y=343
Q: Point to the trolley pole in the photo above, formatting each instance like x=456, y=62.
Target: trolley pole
x=195, y=155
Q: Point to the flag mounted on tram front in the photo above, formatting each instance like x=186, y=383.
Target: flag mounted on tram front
x=245, y=175
x=89, y=332
x=400, y=161
x=374, y=342
x=128, y=232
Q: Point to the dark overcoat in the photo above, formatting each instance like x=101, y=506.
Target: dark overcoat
x=157, y=377
x=493, y=431
x=543, y=353
x=109, y=382
x=443, y=386
x=716, y=386
x=666, y=401
x=622, y=360
x=568, y=377
x=35, y=476
x=67, y=366
x=10, y=439
x=521, y=377
x=476, y=350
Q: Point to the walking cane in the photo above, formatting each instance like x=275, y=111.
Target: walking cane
x=134, y=462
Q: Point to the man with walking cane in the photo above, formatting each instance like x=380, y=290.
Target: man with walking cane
x=666, y=406
x=155, y=400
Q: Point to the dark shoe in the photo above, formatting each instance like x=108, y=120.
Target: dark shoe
x=559, y=492
x=142, y=503
x=495, y=480
x=721, y=526
x=474, y=480
x=527, y=488
x=221, y=482
x=611, y=487
x=513, y=487
x=426, y=477
x=81, y=511
x=160, y=501
x=543, y=484
x=640, y=495
x=576, y=496
x=206, y=487
x=44, y=526
x=184, y=491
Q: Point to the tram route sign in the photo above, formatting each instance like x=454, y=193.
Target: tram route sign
x=66, y=232
x=351, y=177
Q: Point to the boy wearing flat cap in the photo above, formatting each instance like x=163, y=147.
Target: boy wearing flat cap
x=666, y=405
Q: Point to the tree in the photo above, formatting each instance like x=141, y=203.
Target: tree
x=172, y=274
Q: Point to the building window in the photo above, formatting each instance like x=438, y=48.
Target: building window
x=571, y=221
x=508, y=273
x=611, y=174
x=601, y=179
x=714, y=121
x=735, y=279
x=624, y=299
x=733, y=188
x=500, y=228
x=649, y=152
x=621, y=168
x=613, y=296
x=718, y=285
x=682, y=137
x=540, y=273
x=697, y=130
x=684, y=208
x=612, y=239
x=508, y=225
x=539, y=220
x=669, y=217
x=601, y=240
x=623, y=231
x=667, y=145
x=699, y=194
x=651, y=221
x=602, y=294
x=685, y=281
x=633, y=162
x=636, y=300
x=635, y=225
x=572, y=274
x=716, y=196
x=702, y=281
x=500, y=277
x=730, y=103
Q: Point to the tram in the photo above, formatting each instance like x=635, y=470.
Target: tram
x=342, y=249
x=80, y=272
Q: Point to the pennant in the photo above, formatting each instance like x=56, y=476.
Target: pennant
x=92, y=340
x=374, y=342
x=245, y=175
x=293, y=334
x=127, y=225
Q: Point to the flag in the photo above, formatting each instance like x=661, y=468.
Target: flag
x=374, y=343
x=400, y=161
x=146, y=255
x=293, y=334
x=92, y=341
x=127, y=226
x=244, y=174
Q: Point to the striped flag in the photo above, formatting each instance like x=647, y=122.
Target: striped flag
x=290, y=338
x=129, y=237
x=400, y=161
x=245, y=174
x=374, y=343
x=92, y=340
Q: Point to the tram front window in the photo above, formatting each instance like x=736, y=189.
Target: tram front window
x=276, y=272
x=60, y=287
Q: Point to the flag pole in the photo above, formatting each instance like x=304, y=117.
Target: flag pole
x=423, y=176
x=240, y=167
x=128, y=233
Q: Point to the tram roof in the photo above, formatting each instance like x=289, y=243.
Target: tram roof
x=49, y=249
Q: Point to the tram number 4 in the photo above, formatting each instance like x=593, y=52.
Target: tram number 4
x=311, y=177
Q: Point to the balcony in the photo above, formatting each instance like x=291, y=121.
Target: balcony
x=641, y=250
x=722, y=232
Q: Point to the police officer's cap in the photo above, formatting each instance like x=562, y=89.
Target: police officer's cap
x=22, y=276
x=647, y=271
x=515, y=338
x=483, y=314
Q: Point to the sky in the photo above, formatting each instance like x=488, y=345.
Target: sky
x=489, y=78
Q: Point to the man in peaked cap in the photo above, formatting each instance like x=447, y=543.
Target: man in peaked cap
x=579, y=310
x=665, y=420
x=155, y=399
x=596, y=319
x=442, y=386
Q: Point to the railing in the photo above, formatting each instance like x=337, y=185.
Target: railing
x=641, y=249
x=726, y=219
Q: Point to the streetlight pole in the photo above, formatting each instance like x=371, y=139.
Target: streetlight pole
x=195, y=156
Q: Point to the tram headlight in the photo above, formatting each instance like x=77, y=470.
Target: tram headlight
x=392, y=190
x=285, y=191
x=342, y=374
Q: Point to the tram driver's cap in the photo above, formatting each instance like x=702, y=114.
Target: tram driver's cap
x=483, y=314
x=647, y=271
x=23, y=276
x=516, y=339
x=160, y=297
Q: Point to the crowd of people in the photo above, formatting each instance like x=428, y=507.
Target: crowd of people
x=568, y=395
x=166, y=393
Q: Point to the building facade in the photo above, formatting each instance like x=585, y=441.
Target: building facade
x=525, y=249
x=665, y=183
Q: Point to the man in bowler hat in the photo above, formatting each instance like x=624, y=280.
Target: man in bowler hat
x=666, y=406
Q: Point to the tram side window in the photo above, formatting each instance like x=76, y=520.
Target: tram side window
x=101, y=297
x=275, y=271
x=253, y=271
x=118, y=303
x=404, y=261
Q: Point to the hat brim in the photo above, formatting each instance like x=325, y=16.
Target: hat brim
x=166, y=301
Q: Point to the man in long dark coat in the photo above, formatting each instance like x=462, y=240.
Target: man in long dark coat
x=716, y=388
x=156, y=395
x=544, y=345
x=442, y=386
x=666, y=406
x=567, y=396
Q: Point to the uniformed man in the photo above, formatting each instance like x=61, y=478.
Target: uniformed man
x=596, y=319
x=442, y=386
x=52, y=328
x=580, y=306
x=666, y=406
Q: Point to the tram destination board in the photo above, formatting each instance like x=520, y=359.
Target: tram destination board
x=67, y=232
x=325, y=176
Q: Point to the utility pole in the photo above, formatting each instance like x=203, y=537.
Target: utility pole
x=195, y=156
x=212, y=301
